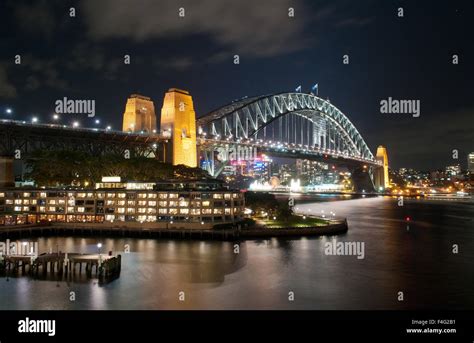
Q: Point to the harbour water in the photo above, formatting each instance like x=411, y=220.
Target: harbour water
x=414, y=257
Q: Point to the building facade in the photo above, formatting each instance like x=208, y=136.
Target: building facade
x=470, y=162
x=164, y=203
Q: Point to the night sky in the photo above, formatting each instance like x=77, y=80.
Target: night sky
x=407, y=57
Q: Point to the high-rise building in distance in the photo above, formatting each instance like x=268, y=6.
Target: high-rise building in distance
x=470, y=162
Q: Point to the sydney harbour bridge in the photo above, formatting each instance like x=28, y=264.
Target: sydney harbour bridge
x=290, y=125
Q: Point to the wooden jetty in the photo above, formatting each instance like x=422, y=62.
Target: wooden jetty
x=103, y=266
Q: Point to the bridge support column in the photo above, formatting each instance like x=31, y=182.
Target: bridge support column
x=362, y=180
x=6, y=172
x=381, y=178
x=178, y=121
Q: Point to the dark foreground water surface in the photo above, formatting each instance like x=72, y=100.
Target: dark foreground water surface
x=417, y=261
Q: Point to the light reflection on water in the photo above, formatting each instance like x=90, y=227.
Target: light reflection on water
x=417, y=261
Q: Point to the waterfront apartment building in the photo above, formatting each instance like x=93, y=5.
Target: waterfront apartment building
x=200, y=202
x=470, y=162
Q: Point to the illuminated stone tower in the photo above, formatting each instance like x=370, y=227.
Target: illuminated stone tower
x=178, y=121
x=381, y=179
x=139, y=115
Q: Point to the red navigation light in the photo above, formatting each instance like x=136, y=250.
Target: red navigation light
x=407, y=219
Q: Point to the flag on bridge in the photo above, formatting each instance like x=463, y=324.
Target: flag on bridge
x=298, y=89
x=314, y=89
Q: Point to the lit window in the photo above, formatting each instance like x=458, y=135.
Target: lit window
x=163, y=211
x=151, y=203
x=227, y=196
x=184, y=210
x=163, y=203
x=173, y=195
x=80, y=209
x=206, y=203
x=218, y=211
x=121, y=210
x=218, y=196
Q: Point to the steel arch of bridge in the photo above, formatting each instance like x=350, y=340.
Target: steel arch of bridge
x=244, y=120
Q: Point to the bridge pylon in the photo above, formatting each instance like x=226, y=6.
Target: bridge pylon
x=178, y=123
x=381, y=178
x=139, y=115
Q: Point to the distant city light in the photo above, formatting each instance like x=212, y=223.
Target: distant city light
x=97, y=121
x=108, y=127
x=8, y=111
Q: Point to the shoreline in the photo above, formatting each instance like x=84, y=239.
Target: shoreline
x=170, y=233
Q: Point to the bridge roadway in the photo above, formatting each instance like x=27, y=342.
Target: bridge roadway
x=24, y=137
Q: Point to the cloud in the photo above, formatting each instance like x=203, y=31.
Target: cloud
x=430, y=139
x=7, y=89
x=259, y=28
x=43, y=72
x=353, y=22
x=37, y=18
x=32, y=83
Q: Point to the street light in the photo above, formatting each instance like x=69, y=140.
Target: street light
x=34, y=120
x=55, y=116
x=75, y=124
x=99, y=247
x=97, y=121
x=108, y=128
x=8, y=111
